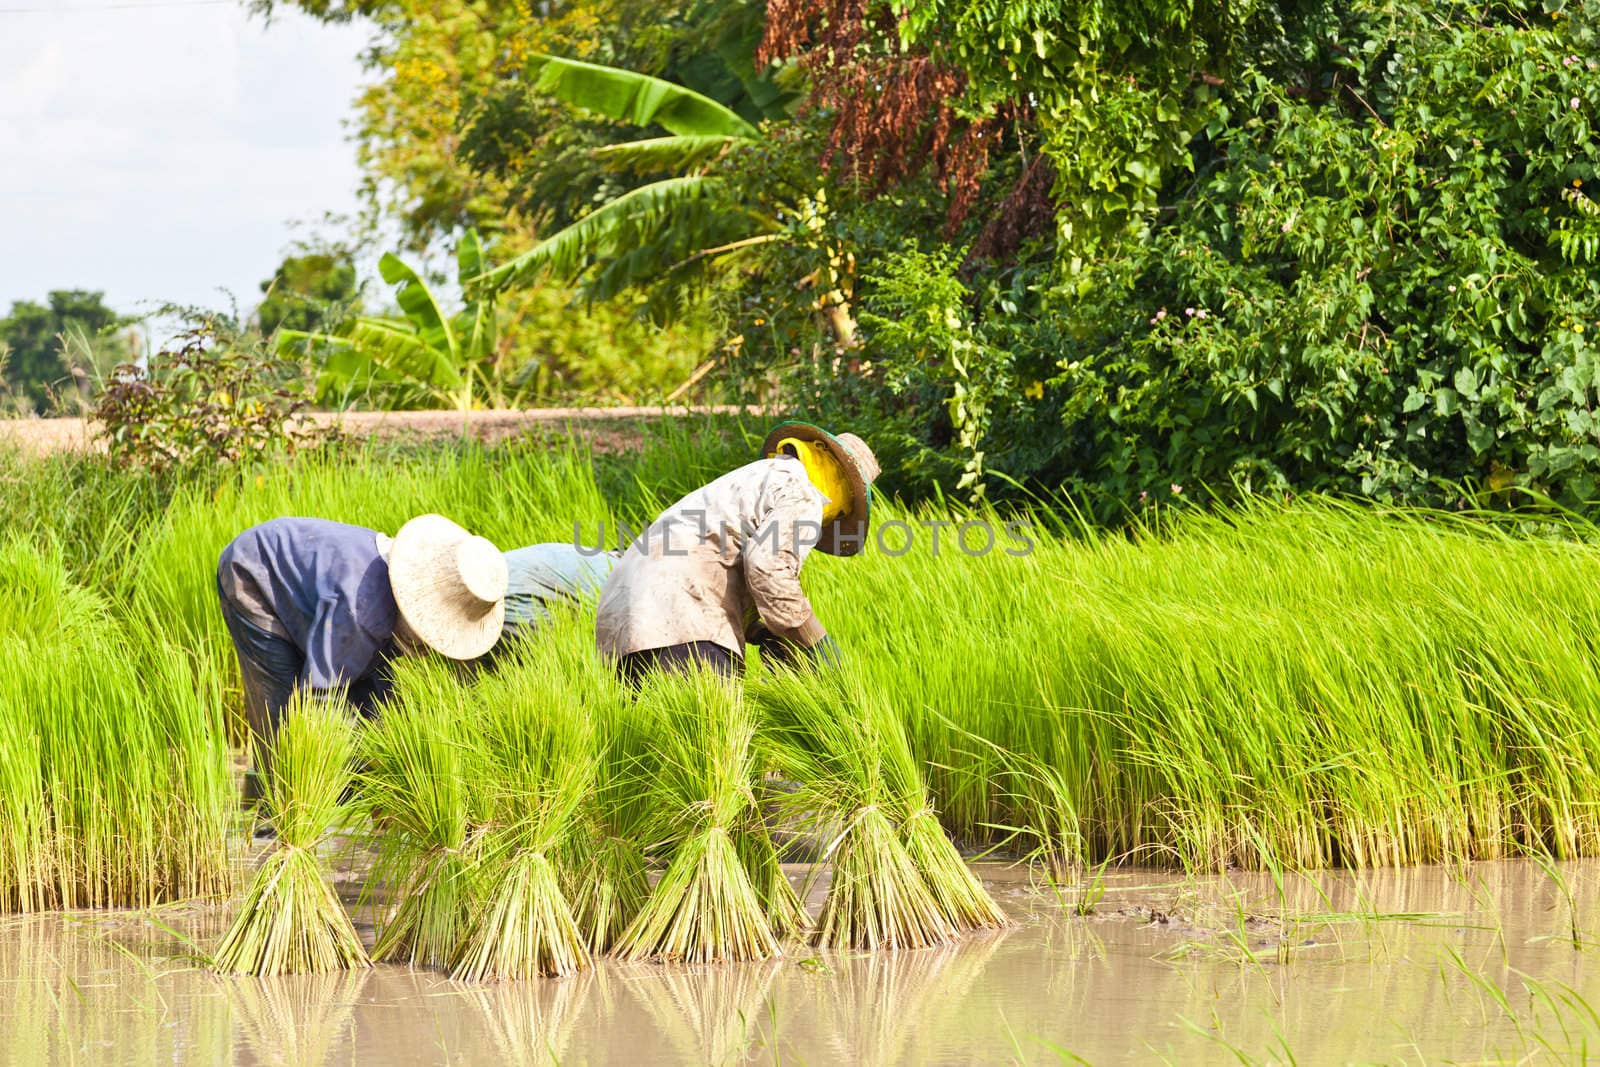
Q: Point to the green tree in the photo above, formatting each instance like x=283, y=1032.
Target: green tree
x=694, y=225
x=42, y=341
x=306, y=290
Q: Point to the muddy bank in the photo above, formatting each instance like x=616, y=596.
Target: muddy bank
x=1420, y=966
x=604, y=429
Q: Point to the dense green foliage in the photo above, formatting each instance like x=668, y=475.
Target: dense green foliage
x=1129, y=253
x=426, y=357
x=1368, y=274
x=214, y=397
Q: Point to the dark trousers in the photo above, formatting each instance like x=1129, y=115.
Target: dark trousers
x=270, y=668
x=679, y=659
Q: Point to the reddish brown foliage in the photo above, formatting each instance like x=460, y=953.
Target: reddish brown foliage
x=892, y=112
x=1028, y=211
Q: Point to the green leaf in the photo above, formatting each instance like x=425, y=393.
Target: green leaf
x=655, y=154
x=567, y=252
x=635, y=98
x=419, y=305
x=393, y=346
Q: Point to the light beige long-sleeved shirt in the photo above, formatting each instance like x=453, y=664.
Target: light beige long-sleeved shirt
x=724, y=554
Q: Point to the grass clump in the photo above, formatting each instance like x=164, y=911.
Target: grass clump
x=705, y=907
x=416, y=794
x=606, y=865
x=534, y=764
x=291, y=920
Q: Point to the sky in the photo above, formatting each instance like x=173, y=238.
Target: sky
x=165, y=152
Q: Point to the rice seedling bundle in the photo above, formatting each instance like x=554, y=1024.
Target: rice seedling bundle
x=535, y=764
x=113, y=767
x=605, y=867
x=705, y=907
x=853, y=763
x=291, y=921
x=415, y=791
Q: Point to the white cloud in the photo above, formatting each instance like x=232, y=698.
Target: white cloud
x=163, y=153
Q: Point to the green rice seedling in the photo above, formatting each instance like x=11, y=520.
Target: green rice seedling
x=112, y=764
x=608, y=882
x=704, y=908
x=963, y=900
x=604, y=866
x=839, y=748
x=535, y=765
x=415, y=791
x=779, y=899
x=25, y=846
x=291, y=921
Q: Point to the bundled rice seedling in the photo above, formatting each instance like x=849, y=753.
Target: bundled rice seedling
x=291, y=921
x=415, y=791
x=535, y=764
x=705, y=907
x=113, y=766
x=897, y=881
x=605, y=867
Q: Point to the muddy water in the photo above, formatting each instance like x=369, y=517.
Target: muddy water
x=1475, y=964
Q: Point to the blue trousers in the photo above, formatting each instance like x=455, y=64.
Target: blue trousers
x=270, y=667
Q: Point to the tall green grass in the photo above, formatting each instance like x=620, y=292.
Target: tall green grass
x=1301, y=685
x=114, y=770
x=1290, y=685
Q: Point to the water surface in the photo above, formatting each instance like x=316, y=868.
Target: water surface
x=1474, y=964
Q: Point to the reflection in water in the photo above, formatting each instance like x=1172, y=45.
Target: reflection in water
x=707, y=1013
x=294, y=1020
x=532, y=1022
x=1472, y=963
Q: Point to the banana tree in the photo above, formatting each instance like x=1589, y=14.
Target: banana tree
x=443, y=360
x=665, y=230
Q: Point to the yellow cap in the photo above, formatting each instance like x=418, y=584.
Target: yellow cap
x=823, y=471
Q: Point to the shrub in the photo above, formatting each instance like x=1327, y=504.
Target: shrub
x=216, y=396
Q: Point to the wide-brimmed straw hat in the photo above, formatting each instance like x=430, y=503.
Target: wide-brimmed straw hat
x=449, y=585
x=846, y=535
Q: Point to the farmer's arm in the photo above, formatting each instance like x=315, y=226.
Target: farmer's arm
x=772, y=558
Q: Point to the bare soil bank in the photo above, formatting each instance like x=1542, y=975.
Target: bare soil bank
x=605, y=429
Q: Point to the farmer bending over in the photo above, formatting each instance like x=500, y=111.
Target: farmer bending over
x=322, y=607
x=722, y=566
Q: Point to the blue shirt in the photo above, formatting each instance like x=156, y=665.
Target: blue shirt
x=320, y=584
x=539, y=574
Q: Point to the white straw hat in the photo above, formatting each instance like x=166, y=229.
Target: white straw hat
x=449, y=585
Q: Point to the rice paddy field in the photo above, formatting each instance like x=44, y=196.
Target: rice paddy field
x=1301, y=782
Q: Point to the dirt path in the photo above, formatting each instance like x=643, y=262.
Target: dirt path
x=607, y=429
